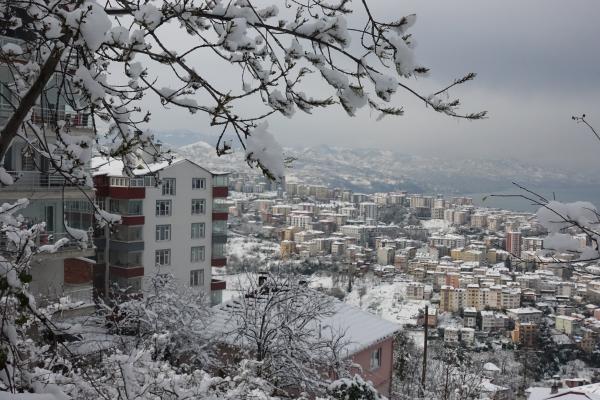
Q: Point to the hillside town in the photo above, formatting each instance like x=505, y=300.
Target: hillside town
x=132, y=269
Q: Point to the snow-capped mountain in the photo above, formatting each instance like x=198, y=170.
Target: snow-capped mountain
x=372, y=170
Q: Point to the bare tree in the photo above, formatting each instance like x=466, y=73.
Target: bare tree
x=282, y=324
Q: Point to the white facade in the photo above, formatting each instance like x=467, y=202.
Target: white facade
x=180, y=243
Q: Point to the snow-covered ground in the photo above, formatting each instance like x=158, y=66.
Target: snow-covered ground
x=388, y=300
x=250, y=247
x=435, y=224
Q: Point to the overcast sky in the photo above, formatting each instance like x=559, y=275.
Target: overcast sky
x=538, y=63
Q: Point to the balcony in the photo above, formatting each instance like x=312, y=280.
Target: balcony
x=35, y=180
x=219, y=238
x=220, y=191
x=50, y=117
x=126, y=271
x=217, y=284
x=72, y=248
x=132, y=220
x=219, y=216
x=121, y=192
x=218, y=262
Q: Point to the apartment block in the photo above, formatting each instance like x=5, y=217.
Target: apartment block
x=174, y=219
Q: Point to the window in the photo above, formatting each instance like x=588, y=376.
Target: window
x=163, y=232
x=219, y=227
x=220, y=180
x=134, y=207
x=197, y=277
x=115, y=207
x=197, y=254
x=197, y=230
x=101, y=203
x=163, y=207
x=219, y=250
x=198, y=206
x=198, y=183
x=376, y=359
x=135, y=182
x=163, y=257
x=149, y=181
x=124, y=182
x=168, y=186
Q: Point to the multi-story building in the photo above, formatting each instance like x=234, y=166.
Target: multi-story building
x=533, y=243
x=525, y=315
x=525, y=334
x=415, y=291
x=61, y=204
x=513, y=243
x=300, y=219
x=368, y=210
x=174, y=219
x=479, y=221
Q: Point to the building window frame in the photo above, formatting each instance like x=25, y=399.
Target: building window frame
x=198, y=230
x=375, y=359
x=163, y=232
x=198, y=183
x=198, y=206
x=162, y=257
x=197, y=254
x=169, y=186
x=197, y=277
x=163, y=208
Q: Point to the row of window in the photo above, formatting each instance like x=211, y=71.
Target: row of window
x=164, y=207
x=168, y=185
x=162, y=257
x=163, y=232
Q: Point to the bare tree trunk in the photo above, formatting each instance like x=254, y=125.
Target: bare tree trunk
x=15, y=121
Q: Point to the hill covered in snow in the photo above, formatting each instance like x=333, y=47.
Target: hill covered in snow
x=374, y=170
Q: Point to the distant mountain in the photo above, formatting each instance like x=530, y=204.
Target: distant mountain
x=373, y=170
x=181, y=137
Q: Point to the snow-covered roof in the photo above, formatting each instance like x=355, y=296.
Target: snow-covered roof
x=114, y=167
x=491, y=367
x=361, y=328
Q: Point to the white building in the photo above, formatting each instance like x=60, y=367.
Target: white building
x=368, y=210
x=177, y=226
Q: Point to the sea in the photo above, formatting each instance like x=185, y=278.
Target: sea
x=506, y=199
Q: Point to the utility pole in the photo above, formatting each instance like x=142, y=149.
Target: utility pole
x=426, y=329
x=106, y=260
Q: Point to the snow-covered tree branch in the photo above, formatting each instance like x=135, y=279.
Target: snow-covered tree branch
x=101, y=59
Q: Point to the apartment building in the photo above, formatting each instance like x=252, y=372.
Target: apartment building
x=52, y=199
x=174, y=219
x=415, y=291
x=513, y=243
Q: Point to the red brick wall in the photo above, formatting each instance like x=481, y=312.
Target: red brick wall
x=77, y=272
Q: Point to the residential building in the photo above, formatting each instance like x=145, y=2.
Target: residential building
x=513, y=243
x=415, y=291
x=174, y=219
x=369, y=339
x=62, y=204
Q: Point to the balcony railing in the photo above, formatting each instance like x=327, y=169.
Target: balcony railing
x=47, y=116
x=52, y=238
x=48, y=239
x=84, y=295
x=37, y=180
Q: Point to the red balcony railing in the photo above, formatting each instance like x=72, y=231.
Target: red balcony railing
x=216, y=284
x=218, y=261
x=220, y=191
